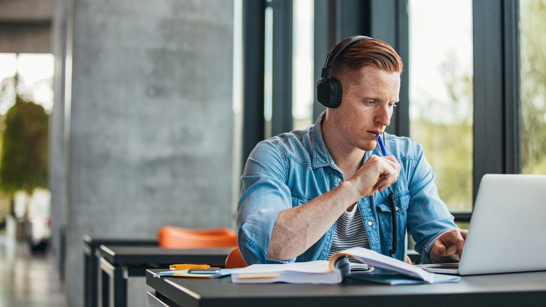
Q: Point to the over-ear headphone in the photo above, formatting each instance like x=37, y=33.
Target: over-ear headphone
x=328, y=88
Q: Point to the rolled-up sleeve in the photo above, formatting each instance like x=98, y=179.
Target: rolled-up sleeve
x=428, y=216
x=264, y=194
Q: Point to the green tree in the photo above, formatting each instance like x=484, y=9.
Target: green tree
x=24, y=156
x=533, y=86
x=447, y=138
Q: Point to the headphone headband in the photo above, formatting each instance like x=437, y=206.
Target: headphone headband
x=336, y=51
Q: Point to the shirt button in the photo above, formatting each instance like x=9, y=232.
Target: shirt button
x=338, y=180
x=370, y=223
x=396, y=208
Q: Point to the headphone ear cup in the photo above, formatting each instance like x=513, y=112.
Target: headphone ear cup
x=324, y=91
x=336, y=97
x=329, y=93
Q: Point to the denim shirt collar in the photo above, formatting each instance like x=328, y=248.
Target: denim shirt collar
x=321, y=155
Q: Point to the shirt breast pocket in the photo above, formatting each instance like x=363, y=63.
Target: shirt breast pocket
x=385, y=216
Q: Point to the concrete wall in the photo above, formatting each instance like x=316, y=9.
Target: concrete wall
x=150, y=121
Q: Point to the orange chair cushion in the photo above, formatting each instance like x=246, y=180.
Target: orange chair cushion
x=176, y=237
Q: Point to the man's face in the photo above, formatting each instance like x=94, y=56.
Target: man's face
x=369, y=96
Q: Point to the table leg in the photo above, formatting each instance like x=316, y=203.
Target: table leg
x=120, y=288
x=114, y=285
x=86, y=281
x=95, y=273
x=105, y=289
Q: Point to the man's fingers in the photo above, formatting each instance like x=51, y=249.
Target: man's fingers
x=439, y=249
x=390, y=172
x=451, y=250
x=454, y=241
x=391, y=160
x=464, y=232
x=382, y=184
x=460, y=244
x=377, y=173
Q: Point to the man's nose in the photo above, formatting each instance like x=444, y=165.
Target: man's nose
x=383, y=115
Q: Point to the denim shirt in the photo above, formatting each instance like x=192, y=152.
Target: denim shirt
x=292, y=168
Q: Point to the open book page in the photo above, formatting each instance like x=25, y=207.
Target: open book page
x=377, y=260
x=313, y=272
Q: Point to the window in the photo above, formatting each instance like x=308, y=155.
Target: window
x=35, y=79
x=303, y=85
x=441, y=94
x=533, y=86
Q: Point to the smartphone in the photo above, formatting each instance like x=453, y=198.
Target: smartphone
x=212, y=270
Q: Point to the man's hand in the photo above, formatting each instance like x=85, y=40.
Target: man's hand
x=449, y=246
x=377, y=173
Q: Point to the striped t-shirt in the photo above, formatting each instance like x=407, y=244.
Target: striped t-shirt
x=350, y=232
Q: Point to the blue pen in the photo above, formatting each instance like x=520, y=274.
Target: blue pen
x=381, y=145
x=391, y=200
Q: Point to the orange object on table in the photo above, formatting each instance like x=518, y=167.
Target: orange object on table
x=176, y=237
x=177, y=267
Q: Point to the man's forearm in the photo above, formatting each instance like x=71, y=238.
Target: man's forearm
x=298, y=228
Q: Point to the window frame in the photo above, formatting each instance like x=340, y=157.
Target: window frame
x=496, y=80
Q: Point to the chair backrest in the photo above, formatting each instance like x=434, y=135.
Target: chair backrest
x=176, y=237
x=235, y=260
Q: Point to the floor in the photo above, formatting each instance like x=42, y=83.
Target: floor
x=27, y=280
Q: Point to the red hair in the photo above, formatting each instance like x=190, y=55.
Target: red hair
x=369, y=52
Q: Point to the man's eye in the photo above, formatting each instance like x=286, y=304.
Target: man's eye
x=394, y=105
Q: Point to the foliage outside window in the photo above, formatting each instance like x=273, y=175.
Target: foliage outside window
x=24, y=149
x=441, y=94
x=533, y=85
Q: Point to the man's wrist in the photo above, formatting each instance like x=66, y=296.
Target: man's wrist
x=350, y=191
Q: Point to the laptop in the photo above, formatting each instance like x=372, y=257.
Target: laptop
x=508, y=228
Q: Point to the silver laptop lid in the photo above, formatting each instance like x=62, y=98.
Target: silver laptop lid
x=508, y=228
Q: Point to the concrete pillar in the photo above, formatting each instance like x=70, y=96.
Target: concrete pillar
x=150, y=121
x=57, y=169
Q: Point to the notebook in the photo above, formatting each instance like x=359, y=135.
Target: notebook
x=507, y=230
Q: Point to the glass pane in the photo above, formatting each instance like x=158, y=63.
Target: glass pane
x=441, y=94
x=303, y=85
x=268, y=71
x=533, y=85
x=35, y=79
x=8, y=67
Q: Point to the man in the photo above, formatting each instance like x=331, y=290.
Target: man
x=309, y=193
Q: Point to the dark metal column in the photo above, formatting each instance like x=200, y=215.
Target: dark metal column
x=253, y=62
x=401, y=113
x=281, y=119
x=512, y=93
x=496, y=89
x=325, y=36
